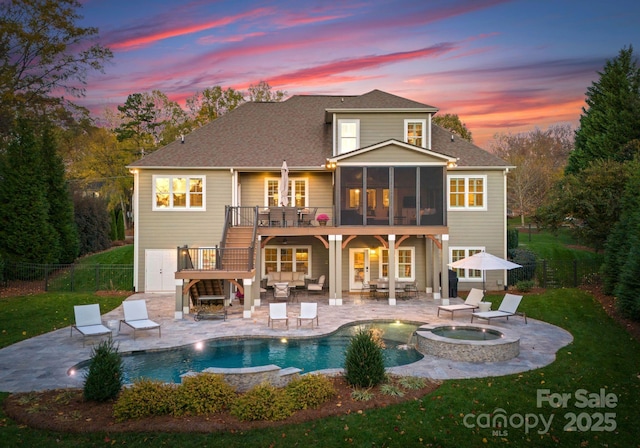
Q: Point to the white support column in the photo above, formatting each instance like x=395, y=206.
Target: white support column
x=392, y=270
x=258, y=277
x=248, y=298
x=182, y=302
x=445, y=269
x=437, y=261
x=331, y=275
x=428, y=253
x=336, y=299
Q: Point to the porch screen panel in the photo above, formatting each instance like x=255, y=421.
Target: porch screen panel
x=404, y=196
x=378, y=195
x=432, y=196
x=351, y=196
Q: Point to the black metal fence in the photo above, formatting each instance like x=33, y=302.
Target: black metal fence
x=34, y=277
x=557, y=273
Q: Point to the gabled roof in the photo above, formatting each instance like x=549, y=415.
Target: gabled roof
x=259, y=136
x=443, y=158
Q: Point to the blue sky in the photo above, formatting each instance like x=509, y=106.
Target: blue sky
x=502, y=66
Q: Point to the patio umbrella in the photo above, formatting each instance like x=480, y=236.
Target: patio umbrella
x=284, y=184
x=484, y=261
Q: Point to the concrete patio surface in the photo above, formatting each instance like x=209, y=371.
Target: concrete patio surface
x=42, y=362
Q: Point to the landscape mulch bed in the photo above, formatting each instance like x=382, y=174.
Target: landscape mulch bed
x=67, y=411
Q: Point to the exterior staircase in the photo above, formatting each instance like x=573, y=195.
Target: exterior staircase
x=235, y=256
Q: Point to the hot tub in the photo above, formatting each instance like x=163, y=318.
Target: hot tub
x=471, y=343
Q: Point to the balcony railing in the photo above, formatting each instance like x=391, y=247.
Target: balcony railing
x=215, y=259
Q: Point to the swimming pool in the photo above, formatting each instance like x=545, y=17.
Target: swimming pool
x=308, y=354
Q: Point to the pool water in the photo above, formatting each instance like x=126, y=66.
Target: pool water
x=467, y=333
x=309, y=354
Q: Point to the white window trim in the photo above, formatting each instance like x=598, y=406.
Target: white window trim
x=287, y=246
x=466, y=178
x=397, y=263
x=291, y=193
x=339, y=136
x=171, y=208
x=407, y=121
x=466, y=277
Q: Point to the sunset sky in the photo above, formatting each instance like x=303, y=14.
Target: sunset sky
x=502, y=66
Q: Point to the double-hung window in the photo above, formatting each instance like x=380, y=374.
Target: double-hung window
x=297, y=195
x=178, y=192
x=414, y=132
x=405, y=264
x=468, y=192
x=458, y=253
x=348, y=135
x=287, y=259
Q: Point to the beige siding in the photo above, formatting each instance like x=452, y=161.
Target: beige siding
x=393, y=154
x=320, y=190
x=168, y=229
x=482, y=228
x=379, y=127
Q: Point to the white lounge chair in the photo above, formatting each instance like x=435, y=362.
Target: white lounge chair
x=308, y=311
x=88, y=321
x=508, y=307
x=136, y=317
x=473, y=299
x=278, y=311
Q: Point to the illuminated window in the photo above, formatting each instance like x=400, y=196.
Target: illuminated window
x=405, y=263
x=354, y=198
x=178, y=192
x=287, y=259
x=467, y=192
x=414, y=131
x=297, y=192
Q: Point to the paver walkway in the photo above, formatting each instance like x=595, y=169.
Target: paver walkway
x=42, y=362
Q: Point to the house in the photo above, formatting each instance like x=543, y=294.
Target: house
x=403, y=197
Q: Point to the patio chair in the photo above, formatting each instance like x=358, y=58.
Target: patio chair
x=508, y=307
x=308, y=311
x=136, y=317
x=290, y=217
x=281, y=291
x=473, y=299
x=276, y=215
x=278, y=311
x=316, y=287
x=368, y=289
x=88, y=321
x=307, y=216
x=411, y=290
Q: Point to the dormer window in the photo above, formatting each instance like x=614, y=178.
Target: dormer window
x=348, y=135
x=414, y=132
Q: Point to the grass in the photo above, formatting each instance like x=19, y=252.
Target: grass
x=602, y=357
x=23, y=317
x=110, y=270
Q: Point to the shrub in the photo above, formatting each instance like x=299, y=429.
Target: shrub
x=525, y=258
x=361, y=394
x=525, y=285
x=104, y=378
x=412, y=382
x=144, y=399
x=364, y=362
x=310, y=391
x=263, y=402
x=206, y=393
x=513, y=239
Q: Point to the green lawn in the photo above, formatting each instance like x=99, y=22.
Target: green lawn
x=602, y=360
x=602, y=356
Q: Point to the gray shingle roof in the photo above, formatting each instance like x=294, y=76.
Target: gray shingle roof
x=262, y=135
